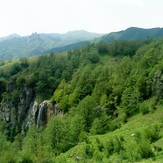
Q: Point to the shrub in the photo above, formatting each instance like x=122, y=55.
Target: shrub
x=98, y=156
x=143, y=107
x=20, y=80
x=131, y=153
x=96, y=127
x=152, y=133
x=139, y=148
x=144, y=149
x=99, y=145
x=147, y=106
x=109, y=147
x=89, y=150
x=114, y=145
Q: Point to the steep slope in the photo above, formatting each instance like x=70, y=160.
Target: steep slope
x=105, y=148
x=99, y=103
x=67, y=47
x=134, y=33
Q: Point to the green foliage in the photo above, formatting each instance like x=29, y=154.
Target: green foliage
x=31, y=80
x=54, y=133
x=130, y=101
x=114, y=145
x=143, y=107
x=142, y=149
x=29, y=144
x=85, y=109
x=20, y=80
x=99, y=89
x=76, y=130
x=148, y=105
x=96, y=127
x=15, y=95
x=15, y=69
x=123, y=48
x=7, y=153
x=24, y=62
x=152, y=133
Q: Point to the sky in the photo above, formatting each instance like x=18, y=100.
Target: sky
x=25, y=17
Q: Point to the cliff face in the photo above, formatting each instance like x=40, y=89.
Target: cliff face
x=22, y=110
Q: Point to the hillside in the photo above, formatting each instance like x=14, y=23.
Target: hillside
x=98, y=103
x=15, y=46
x=67, y=47
x=123, y=142
x=134, y=33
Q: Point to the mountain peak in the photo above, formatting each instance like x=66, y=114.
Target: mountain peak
x=134, y=33
x=9, y=37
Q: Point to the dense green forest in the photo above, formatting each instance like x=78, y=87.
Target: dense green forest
x=109, y=95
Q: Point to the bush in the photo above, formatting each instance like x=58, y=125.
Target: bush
x=89, y=150
x=109, y=147
x=99, y=145
x=114, y=145
x=31, y=80
x=148, y=106
x=20, y=80
x=96, y=127
x=143, y=108
x=145, y=149
x=131, y=153
x=139, y=148
x=15, y=95
x=152, y=133
x=98, y=156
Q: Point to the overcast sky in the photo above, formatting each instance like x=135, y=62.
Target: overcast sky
x=59, y=16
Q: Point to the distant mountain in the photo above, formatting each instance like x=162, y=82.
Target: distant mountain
x=15, y=46
x=134, y=33
x=9, y=37
x=66, y=48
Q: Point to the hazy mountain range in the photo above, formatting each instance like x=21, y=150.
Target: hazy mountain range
x=15, y=46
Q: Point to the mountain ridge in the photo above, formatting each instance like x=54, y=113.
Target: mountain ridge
x=15, y=46
x=35, y=44
x=134, y=33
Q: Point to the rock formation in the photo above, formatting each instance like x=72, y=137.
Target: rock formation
x=25, y=111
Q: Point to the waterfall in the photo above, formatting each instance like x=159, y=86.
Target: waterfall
x=41, y=119
x=43, y=112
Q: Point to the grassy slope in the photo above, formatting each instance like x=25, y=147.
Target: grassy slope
x=137, y=123
x=8, y=64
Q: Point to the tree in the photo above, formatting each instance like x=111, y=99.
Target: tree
x=54, y=133
x=85, y=109
x=24, y=62
x=130, y=101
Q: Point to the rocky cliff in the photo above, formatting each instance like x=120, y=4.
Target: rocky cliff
x=21, y=110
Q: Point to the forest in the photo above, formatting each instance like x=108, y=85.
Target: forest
x=109, y=96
